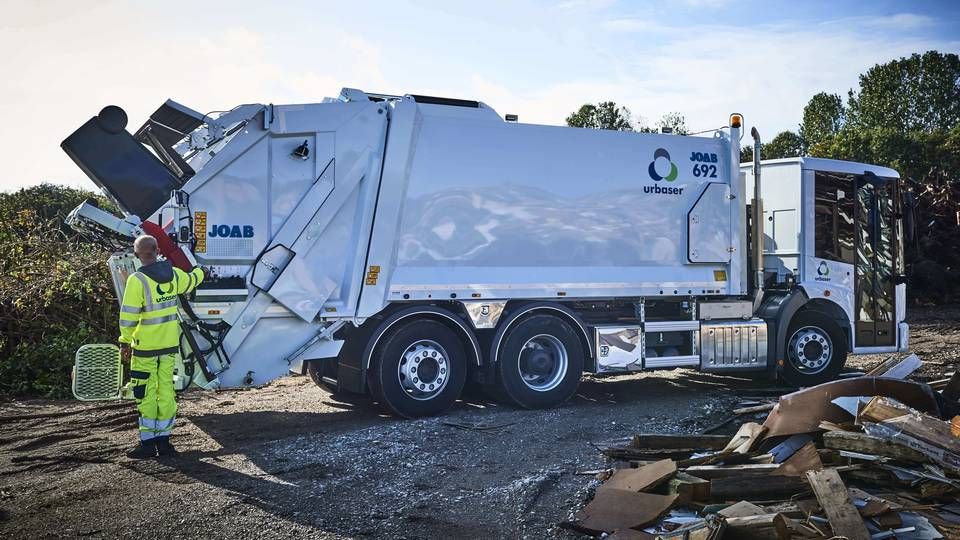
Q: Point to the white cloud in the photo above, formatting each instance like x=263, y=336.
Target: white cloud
x=64, y=61
x=768, y=73
x=590, y=5
x=707, y=3
x=631, y=24
x=898, y=21
x=73, y=60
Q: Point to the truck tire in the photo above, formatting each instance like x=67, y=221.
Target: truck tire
x=816, y=350
x=418, y=369
x=540, y=362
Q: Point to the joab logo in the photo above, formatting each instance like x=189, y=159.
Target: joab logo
x=661, y=168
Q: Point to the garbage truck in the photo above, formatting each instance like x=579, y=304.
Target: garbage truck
x=403, y=245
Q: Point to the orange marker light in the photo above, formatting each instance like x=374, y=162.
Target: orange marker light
x=736, y=120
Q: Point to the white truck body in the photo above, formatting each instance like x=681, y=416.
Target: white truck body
x=342, y=222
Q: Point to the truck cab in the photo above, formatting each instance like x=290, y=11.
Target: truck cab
x=833, y=230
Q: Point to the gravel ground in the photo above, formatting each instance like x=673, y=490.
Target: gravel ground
x=290, y=460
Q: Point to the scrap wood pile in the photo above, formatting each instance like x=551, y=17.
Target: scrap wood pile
x=859, y=458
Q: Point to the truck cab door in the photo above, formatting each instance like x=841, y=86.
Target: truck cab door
x=875, y=261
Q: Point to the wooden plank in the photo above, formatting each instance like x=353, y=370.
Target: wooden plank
x=613, y=509
x=755, y=408
x=857, y=493
x=923, y=433
x=746, y=437
x=939, y=384
x=789, y=528
x=835, y=501
x=656, y=441
x=757, y=527
x=880, y=408
x=867, y=444
x=805, y=459
x=756, y=487
x=704, y=460
x=628, y=453
x=643, y=478
x=882, y=367
x=830, y=426
x=741, y=509
x=723, y=471
x=689, y=488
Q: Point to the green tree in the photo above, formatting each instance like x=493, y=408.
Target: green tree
x=784, y=145
x=919, y=93
x=906, y=115
x=927, y=161
x=603, y=115
x=55, y=290
x=675, y=121
x=823, y=117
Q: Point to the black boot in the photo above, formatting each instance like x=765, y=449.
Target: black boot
x=164, y=448
x=144, y=450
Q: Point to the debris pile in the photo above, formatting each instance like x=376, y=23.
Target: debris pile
x=860, y=458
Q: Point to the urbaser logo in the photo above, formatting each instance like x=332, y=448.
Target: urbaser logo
x=661, y=168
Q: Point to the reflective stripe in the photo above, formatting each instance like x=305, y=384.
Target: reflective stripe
x=130, y=309
x=147, y=435
x=148, y=424
x=164, y=305
x=128, y=324
x=148, y=353
x=147, y=295
x=165, y=425
x=156, y=320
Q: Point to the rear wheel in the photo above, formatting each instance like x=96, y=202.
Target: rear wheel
x=816, y=350
x=540, y=362
x=418, y=369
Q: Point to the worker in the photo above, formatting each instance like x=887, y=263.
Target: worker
x=150, y=343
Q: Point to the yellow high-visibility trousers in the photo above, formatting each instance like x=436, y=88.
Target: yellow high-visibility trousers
x=152, y=379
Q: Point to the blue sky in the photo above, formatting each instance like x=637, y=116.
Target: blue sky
x=702, y=58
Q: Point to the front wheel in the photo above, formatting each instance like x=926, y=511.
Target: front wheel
x=816, y=350
x=540, y=362
x=419, y=369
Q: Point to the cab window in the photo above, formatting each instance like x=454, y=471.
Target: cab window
x=833, y=216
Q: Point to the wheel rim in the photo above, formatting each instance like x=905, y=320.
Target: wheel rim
x=810, y=350
x=543, y=362
x=424, y=369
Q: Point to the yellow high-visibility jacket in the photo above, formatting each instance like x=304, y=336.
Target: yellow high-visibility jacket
x=148, y=313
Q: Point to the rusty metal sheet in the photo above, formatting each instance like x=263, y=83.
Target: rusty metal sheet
x=613, y=509
x=802, y=411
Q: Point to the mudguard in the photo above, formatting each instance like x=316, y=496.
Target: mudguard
x=777, y=309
